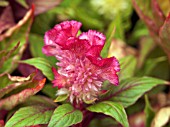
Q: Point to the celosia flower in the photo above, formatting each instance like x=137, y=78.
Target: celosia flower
x=81, y=70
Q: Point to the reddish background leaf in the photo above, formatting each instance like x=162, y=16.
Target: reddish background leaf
x=13, y=100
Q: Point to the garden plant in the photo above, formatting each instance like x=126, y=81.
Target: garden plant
x=84, y=63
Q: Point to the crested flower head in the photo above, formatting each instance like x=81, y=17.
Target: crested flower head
x=81, y=69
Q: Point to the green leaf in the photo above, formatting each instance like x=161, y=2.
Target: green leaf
x=139, y=31
x=42, y=64
x=128, y=67
x=88, y=20
x=40, y=27
x=39, y=100
x=32, y=115
x=65, y=115
x=109, y=37
x=148, y=112
x=103, y=122
x=146, y=46
x=50, y=91
x=131, y=89
x=61, y=98
x=150, y=65
x=4, y=81
x=112, y=109
x=119, y=33
x=115, y=30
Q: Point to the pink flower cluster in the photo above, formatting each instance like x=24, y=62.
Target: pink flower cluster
x=81, y=69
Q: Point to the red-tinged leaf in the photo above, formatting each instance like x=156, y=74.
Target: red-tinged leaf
x=41, y=64
x=164, y=34
x=26, y=70
x=43, y=5
x=13, y=82
x=154, y=21
x=5, y=55
x=10, y=102
x=158, y=15
x=17, y=33
x=6, y=19
x=164, y=6
x=148, y=20
x=13, y=30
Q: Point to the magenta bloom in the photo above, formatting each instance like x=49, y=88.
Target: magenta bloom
x=81, y=69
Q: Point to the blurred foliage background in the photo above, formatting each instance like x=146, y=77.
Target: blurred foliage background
x=130, y=38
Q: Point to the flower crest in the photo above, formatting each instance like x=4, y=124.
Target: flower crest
x=81, y=68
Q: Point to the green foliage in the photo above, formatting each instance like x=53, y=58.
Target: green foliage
x=164, y=34
x=53, y=90
x=149, y=112
x=128, y=67
x=131, y=89
x=113, y=109
x=103, y=122
x=32, y=115
x=65, y=115
x=140, y=30
x=42, y=64
x=61, y=98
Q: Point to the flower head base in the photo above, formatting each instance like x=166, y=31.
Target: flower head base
x=81, y=69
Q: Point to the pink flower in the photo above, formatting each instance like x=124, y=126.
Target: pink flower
x=81, y=69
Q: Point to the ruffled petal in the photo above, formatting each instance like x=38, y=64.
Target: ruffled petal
x=70, y=27
x=94, y=55
x=79, y=47
x=110, y=70
x=62, y=33
x=50, y=37
x=94, y=37
x=66, y=30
